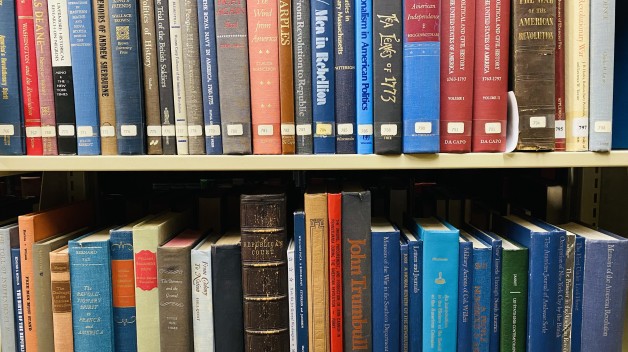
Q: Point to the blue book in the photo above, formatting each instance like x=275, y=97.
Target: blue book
x=415, y=290
x=386, y=272
x=465, y=296
x=404, y=296
x=344, y=51
x=11, y=125
x=127, y=76
x=90, y=283
x=578, y=288
x=301, y=281
x=440, y=282
x=209, y=76
x=83, y=55
x=323, y=77
x=20, y=338
x=364, y=75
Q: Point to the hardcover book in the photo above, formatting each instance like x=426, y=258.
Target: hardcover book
x=404, y=297
x=175, y=13
x=202, y=297
x=364, y=75
x=570, y=256
x=334, y=213
x=301, y=282
x=164, y=62
x=415, y=290
x=20, y=336
x=292, y=297
x=578, y=288
x=344, y=51
x=559, y=124
x=61, y=299
x=620, y=74
x=466, y=296
x=9, y=238
x=150, y=71
x=286, y=79
x=302, y=51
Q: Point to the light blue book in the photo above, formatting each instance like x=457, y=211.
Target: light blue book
x=465, y=296
x=364, y=74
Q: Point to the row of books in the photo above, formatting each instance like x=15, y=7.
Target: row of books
x=305, y=76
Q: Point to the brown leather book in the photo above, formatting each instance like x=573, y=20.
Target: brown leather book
x=61, y=299
x=286, y=80
x=264, y=272
x=151, y=81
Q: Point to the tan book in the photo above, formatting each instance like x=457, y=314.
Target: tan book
x=61, y=299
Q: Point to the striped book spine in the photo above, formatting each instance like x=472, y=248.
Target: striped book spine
x=178, y=74
x=364, y=75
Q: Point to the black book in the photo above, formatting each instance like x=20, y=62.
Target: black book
x=344, y=49
x=302, y=53
x=164, y=63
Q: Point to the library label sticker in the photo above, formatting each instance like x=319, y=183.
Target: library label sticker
x=559, y=127
x=581, y=127
x=345, y=129
x=195, y=130
x=128, y=130
x=107, y=131
x=304, y=129
x=603, y=126
x=455, y=127
x=388, y=129
x=65, y=130
x=493, y=128
x=422, y=127
x=235, y=129
x=168, y=131
x=287, y=129
x=153, y=131
x=212, y=130
x=538, y=122
x=265, y=130
x=182, y=131
x=324, y=129
x=365, y=130
x=84, y=131
x=48, y=131
x=8, y=130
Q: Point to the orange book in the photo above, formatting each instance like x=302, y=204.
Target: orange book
x=334, y=205
x=264, y=76
x=36, y=227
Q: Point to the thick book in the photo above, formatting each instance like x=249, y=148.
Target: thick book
x=227, y=293
x=202, y=301
x=263, y=23
x=174, y=276
x=559, y=57
x=533, y=74
x=164, y=63
x=18, y=303
x=127, y=75
x=61, y=299
x=490, y=76
x=440, y=282
x=334, y=213
x=286, y=77
x=151, y=79
x=147, y=237
x=176, y=17
x=364, y=75
x=90, y=282
x=9, y=238
x=620, y=105
x=300, y=280
x=456, y=75
x=388, y=83
x=11, y=121
x=302, y=57
x=292, y=296
x=404, y=296
x=415, y=290
x=345, y=91
x=570, y=256
x=578, y=290
x=82, y=50
x=466, y=296
x=209, y=77
x=233, y=76
x=421, y=89
x=385, y=285
x=264, y=273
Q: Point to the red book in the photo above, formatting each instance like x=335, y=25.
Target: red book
x=264, y=75
x=560, y=144
x=456, y=67
x=490, y=87
x=334, y=205
x=28, y=67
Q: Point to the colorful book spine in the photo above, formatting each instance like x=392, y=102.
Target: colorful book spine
x=8, y=239
x=456, y=80
x=150, y=70
x=123, y=288
x=302, y=55
x=209, y=77
x=415, y=296
x=202, y=303
x=334, y=209
x=292, y=297
x=364, y=75
x=578, y=289
x=421, y=90
x=465, y=297
x=286, y=77
x=301, y=281
x=178, y=73
x=61, y=299
x=323, y=77
x=11, y=126
x=20, y=338
x=84, y=77
x=482, y=298
x=345, y=89
x=404, y=297
x=164, y=63
x=559, y=124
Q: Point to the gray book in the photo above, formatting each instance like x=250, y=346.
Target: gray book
x=151, y=80
x=302, y=53
x=9, y=238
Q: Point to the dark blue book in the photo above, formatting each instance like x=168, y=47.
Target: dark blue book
x=404, y=334
x=209, y=76
x=11, y=124
x=386, y=272
x=364, y=75
x=83, y=55
x=20, y=338
x=465, y=296
x=90, y=283
x=620, y=89
x=127, y=76
x=578, y=288
x=323, y=77
x=415, y=291
x=344, y=49
x=301, y=281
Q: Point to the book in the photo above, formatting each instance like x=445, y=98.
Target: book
x=466, y=302
x=202, y=302
x=174, y=276
x=81, y=29
x=456, y=75
x=533, y=73
x=90, y=283
x=301, y=281
x=345, y=78
x=620, y=105
x=559, y=123
x=570, y=256
x=404, y=296
x=490, y=77
x=415, y=290
x=385, y=268
x=233, y=76
x=150, y=72
x=286, y=78
x=334, y=214
x=364, y=80
x=61, y=299
x=578, y=289
x=9, y=238
x=292, y=297
x=164, y=63
x=18, y=303
x=227, y=293
x=421, y=89
x=388, y=83
x=302, y=57
x=209, y=77
x=176, y=17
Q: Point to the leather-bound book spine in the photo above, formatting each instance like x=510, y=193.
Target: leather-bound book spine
x=302, y=51
x=344, y=51
x=559, y=124
x=264, y=272
x=151, y=86
x=286, y=79
x=61, y=299
x=164, y=62
x=534, y=71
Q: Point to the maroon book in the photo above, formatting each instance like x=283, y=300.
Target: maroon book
x=560, y=76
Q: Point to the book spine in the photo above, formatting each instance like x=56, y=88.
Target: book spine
x=233, y=76
x=164, y=62
x=578, y=288
x=27, y=229
x=465, y=297
x=490, y=79
x=559, y=124
x=482, y=320
x=388, y=81
x=404, y=296
x=209, y=77
x=41, y=287
x=560, y=290
x=123, y=291
x=344, y=51
x=44, y=79
x=84, y=77
x=20, y=331
x=302, y=51
x=286, y=79
x=227, y=296
x=577, y=74
x=7, y=315
x=146, y=293
x=151, y=87
x=514, y=293
x=178, y=75
x=61, y=301
x=601, y=79
x=301, y=282
x=364, y=81
x=456, y=81
x=496, y=295
x=127, y=75
x=292, y=300
x=11, y=125
x=323, y=78
x=415, y=328
x=106, y=98
x=569, y=267
x=264, y=73
x=421, y=90
x=202, y=307
x=385, y=268
x=334, y=211
x=92, y=320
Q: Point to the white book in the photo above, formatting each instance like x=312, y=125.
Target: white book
x=292, y=297
x=9, y=237
x=202, y=300
x=178, y=83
